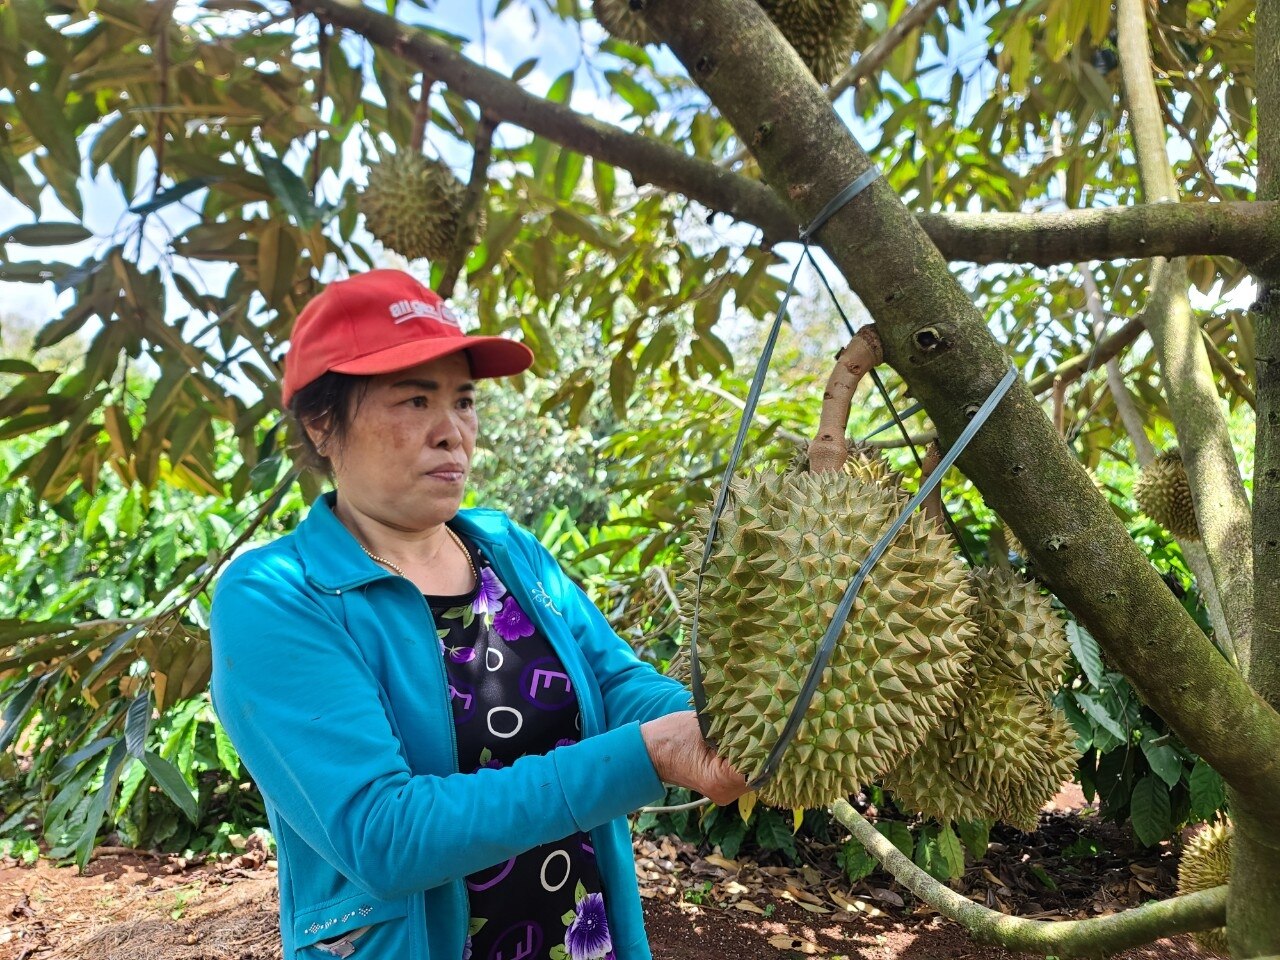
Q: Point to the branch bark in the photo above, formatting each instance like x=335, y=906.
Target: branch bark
x=472, y=204
x=1136, y=427
x=935, y=337
x=1253, y=926
x=1205, y=910
x=1245, y=231
x=1222, y=506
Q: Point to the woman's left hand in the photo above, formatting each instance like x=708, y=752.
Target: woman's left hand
x=682, y=757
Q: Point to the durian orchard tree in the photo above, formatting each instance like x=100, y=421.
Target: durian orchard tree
x=238, y=131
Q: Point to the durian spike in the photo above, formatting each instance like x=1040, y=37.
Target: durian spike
x=828, y=450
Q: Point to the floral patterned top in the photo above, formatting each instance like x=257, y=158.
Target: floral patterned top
x=511, y=697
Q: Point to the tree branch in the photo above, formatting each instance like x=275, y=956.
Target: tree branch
x=875, y=55
x=1071, y=370
x=940, y=344
x=1205, y=910
x=1221, y=504
x=1110, y=233
x=469, y=215
x=1246, y=231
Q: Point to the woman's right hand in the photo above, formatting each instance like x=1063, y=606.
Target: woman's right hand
x=681, y=757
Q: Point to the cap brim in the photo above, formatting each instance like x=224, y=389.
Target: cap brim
x=490, y=356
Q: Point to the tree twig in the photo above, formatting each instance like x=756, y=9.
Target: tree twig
x=469, y=215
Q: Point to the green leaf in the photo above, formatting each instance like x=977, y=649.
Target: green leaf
x=952, y=852
x=21, y=697
x=101, y=802
x=172, y=195
x=1086, y=651
x=1098, y=713
x=227, y=753
x=137, y=723
x=772, y=832
x=522, y=70
x=170, y=781
x=1164, y=759
x=1208, y=792
x=855, y=861
x=633, y=93
x=562, y=88
x=605, y=180
x=579, y=892
x=47, y=234
x=67, y=765
x=290, y=190
x=1151, y=811
x=897, y=833
x=975, y=835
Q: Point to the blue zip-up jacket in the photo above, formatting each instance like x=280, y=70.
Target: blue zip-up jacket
x=328, y=678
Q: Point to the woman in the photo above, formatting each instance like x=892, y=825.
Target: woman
x=447, y=733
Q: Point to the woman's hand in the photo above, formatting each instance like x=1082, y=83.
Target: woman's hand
x=682, y=757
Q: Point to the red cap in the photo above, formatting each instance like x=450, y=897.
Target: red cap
x=385, y=320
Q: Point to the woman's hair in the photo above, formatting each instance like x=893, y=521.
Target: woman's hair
x=329, y=401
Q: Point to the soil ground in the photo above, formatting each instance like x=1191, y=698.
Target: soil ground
x=139, y=906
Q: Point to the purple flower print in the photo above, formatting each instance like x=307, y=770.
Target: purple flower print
x=588, y=935
x=462, y=654
x=466, y=948
x=511, y=622
x=488, y=594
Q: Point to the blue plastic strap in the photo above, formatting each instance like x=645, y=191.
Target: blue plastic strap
x=860, y=183
x=801, y=706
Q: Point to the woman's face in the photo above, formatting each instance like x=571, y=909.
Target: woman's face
x=407, y=451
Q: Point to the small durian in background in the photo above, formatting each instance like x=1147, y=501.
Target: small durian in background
x=413, y=205
x=622, y=22
x=825, y=33
x=1163, y=493
x=1205, y=864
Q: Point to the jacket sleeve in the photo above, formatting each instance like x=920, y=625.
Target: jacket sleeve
x=633, y=690
x=305, y=713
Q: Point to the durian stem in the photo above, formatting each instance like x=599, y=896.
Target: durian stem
x=477, y=187
x=1205, y=910
x=421, y=113
x=932, y=506
x=828, y=450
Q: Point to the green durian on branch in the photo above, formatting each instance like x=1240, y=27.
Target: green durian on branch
x=413, y=205
x=1007, y=749
x=1205, y=864
x=1021, y=637
x=1163, y=493
x=825, y=33
x=1001, y=757
x=787, y=547
x=623, y=22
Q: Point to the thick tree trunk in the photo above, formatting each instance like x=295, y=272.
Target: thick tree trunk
x=939, y=342
x=1253, y=909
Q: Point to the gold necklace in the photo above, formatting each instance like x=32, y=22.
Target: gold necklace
x=453, y=536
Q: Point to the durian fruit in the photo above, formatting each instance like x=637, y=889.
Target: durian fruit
x=621, y=21
x=1163, y=493
x=824, y=33
x=1205, y=864
x=678, y=666
x=1001, y=757
x=1007, y=749
x=1022, y=638
x=413, y=205
x=787, y=547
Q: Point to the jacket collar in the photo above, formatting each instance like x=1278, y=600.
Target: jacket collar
x=333, y=559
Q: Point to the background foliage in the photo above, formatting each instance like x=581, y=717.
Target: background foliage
x=183, y=178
